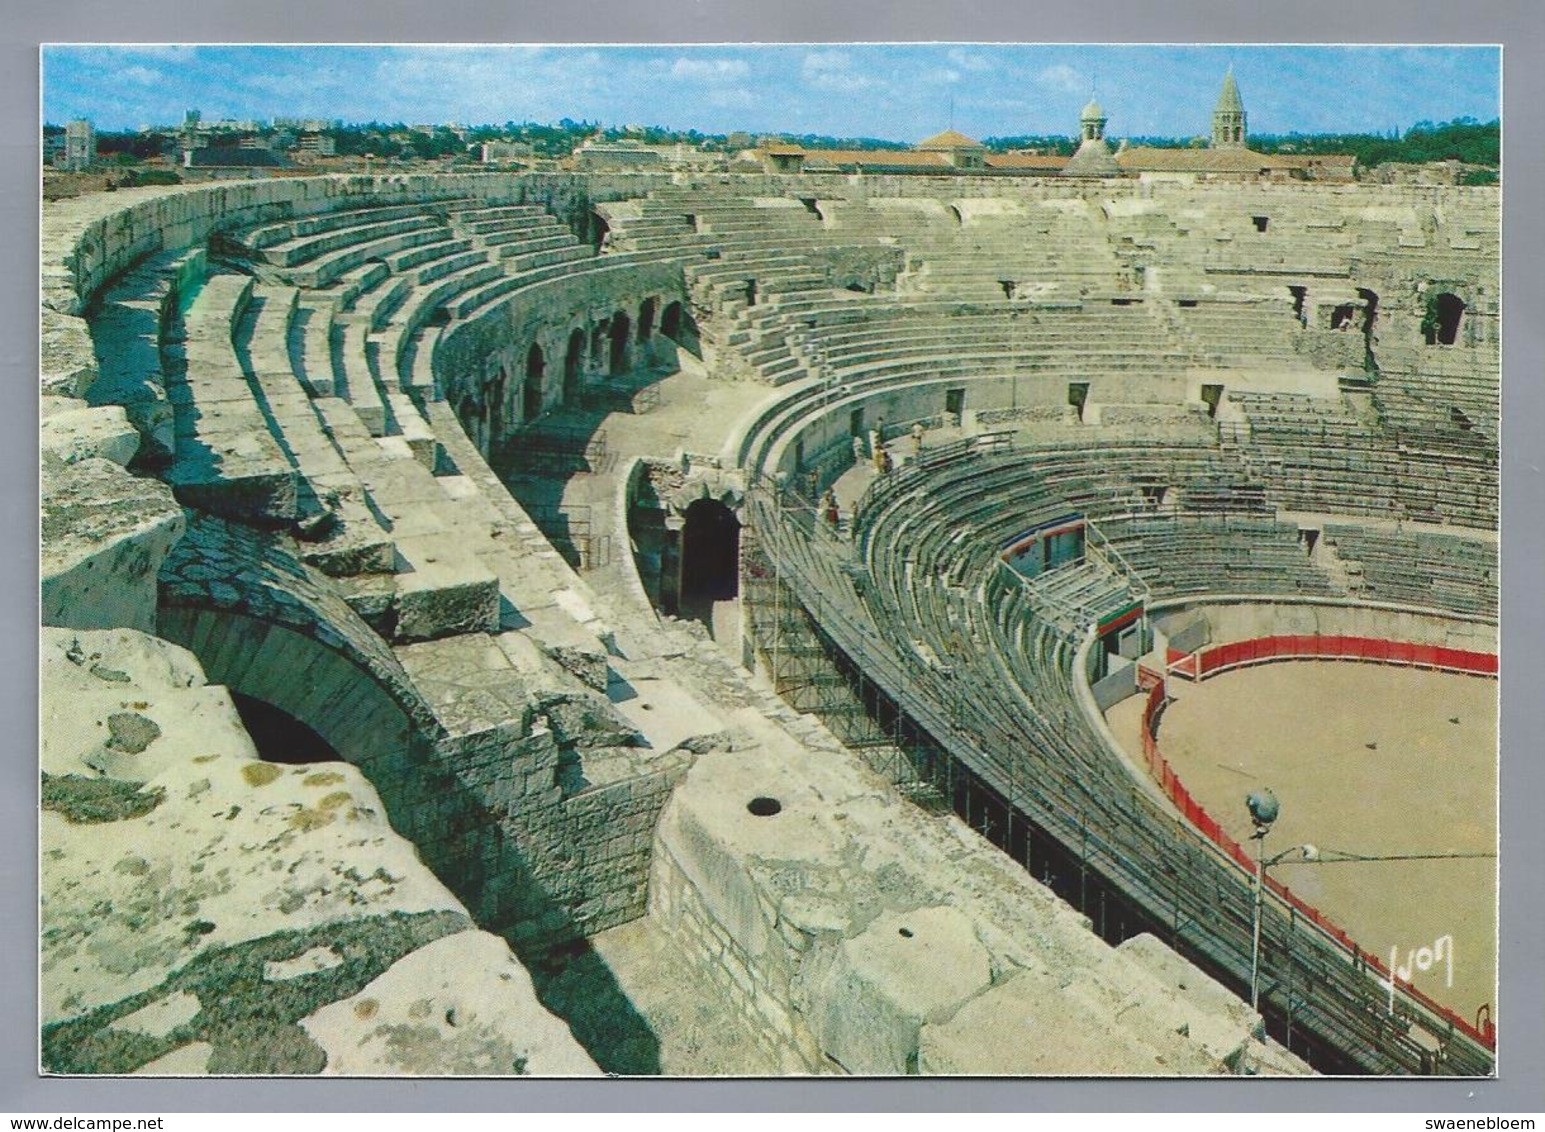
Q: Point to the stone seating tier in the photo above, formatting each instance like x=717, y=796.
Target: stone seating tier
x=267, y=236
x=226, y=459
x=305, y=248
x=322, y=270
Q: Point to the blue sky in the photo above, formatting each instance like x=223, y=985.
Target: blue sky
x=899, y=92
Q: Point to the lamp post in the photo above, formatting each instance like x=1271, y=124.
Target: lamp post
x=1264, y=809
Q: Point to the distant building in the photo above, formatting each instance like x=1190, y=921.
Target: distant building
x=617, y=155
x=1229, y=156
x=1228, y=116
x=627, y=155
x=958, y=151
x=495, y=152
x=949, y=152
x=316, y=145
x=783, y=158
x=1093, y=158
x=232, y=161
x=80, y=146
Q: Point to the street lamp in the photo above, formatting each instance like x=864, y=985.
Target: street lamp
x=1264, y=808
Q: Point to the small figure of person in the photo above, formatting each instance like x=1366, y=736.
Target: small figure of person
x=858, y=449
x=829, y=508
x=886, y=464
x=917, y=438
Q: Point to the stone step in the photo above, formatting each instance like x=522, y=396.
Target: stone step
x=439, y=588
x=227, y=459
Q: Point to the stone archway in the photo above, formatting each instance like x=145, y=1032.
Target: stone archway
x=619, y=358
x=646, y=312
x=710, y=556
x=670, y=321
x=1445, y=311
x=493, y=409
x=531, y=393
x=573, y=367
x=279, y=736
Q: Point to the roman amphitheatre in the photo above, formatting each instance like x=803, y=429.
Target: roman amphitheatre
x=782, y=620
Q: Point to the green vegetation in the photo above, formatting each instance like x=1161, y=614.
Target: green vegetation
x=1052, y=144
x=1463, y=139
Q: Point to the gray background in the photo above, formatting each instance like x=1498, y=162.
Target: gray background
x=1518, y=25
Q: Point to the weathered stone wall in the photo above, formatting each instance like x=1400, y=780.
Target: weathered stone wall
x=204, y=911
x=472, y=351
x=591, y=854
x=105, y=534
x=851, y=931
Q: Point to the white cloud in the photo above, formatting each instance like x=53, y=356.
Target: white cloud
x=141, y=76
x=833, y=70
x=709, y=70
x=1063, y=78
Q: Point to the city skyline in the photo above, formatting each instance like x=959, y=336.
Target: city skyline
x=898, y=92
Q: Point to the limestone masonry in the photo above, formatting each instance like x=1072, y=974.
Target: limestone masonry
x=587, y=734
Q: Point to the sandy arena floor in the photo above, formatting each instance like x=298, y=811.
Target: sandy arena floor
x=1364, y=759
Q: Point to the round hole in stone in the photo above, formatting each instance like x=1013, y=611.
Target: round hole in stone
x=764, y=807
x=904, y=933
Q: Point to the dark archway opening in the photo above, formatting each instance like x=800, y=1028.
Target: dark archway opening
x=710, y=556
x=619, y=350
x=670, y=322
x=531, y=400
x=1300, y=296
x=1370, y=320
x=1341, y=317
x=1441, y=327
x=1078, y=395
x=646, y=319
x=599, y=230
x=279, y=736
x=469, y=410
x=1212, y=397
x=493, y=409
x=573, y=359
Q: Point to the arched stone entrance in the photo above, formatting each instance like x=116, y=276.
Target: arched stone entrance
x=710, y=557
x=531, y=399
x=493, y=409
x=670, y=321
x=573, y=363
x=279, y=736
x=646, y=313
x=619, y=346
x=1445, y=310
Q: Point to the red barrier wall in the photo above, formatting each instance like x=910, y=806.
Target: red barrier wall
x=1240, y=653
